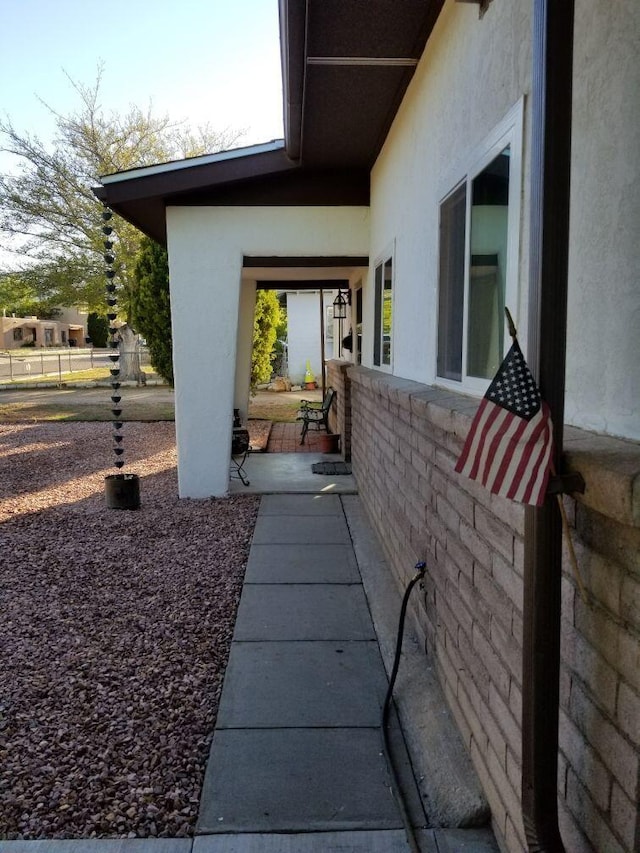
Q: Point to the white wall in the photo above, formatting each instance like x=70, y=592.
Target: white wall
x=463, y=87
x=244, y=346
x=603, y=358
x=473, y=71
x=303, y=333
x=206, y=247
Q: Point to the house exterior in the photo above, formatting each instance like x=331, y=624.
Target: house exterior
x=431, y=162
x=69, y=329
x=307, y=336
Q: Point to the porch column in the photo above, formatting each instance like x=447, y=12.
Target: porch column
x=205, y=275
x=245, y=346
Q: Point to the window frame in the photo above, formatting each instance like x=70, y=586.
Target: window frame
x=509, y=132
x=381, y=261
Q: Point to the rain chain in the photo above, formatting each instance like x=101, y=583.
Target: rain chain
x=122, y=490
x=112, y=301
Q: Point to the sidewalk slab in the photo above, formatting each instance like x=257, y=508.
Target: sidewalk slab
x=286, y=780
x=306, y=530
x=288, y=505
x=296, y=563
x=303, y=684
x=100, y=845
x=380, y=841
x=276, y=612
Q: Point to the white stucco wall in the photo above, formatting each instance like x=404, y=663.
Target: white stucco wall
x=206, y=247
x=303, y=333
x=473, y=71
x=463, y=87
x=243, y=348
x=603, y=336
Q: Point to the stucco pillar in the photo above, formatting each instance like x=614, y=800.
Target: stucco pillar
x=205, y=276
x=244, y=347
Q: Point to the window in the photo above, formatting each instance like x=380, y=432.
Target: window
x=383, y=316
x=17, y=335
x=479, y=226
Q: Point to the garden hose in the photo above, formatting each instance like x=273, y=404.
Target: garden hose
x=397, y=789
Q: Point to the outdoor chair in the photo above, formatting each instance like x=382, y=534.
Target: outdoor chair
x=315, y=415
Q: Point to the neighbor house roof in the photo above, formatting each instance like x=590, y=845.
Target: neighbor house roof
x=346, y=67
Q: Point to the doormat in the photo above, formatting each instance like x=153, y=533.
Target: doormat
x=331, y=468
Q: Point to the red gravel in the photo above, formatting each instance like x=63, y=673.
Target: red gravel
x=114, y=635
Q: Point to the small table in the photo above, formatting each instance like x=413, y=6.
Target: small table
x=240, y=449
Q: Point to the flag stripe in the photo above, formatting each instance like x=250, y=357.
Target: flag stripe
x=509, y=446
x=505, y=463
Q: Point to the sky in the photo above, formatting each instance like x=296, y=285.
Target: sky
x=214, y=61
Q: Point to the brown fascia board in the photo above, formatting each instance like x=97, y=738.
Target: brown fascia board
x=172, y=182
x=292, y=59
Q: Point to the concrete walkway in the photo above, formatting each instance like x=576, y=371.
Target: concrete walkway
x=296, y=763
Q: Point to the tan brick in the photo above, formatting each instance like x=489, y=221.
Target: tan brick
x=507, y=647
x=497, y=600
x=628, y=660
x=630, y=601
x=507, y=579
x=515, y=699
x=480, y=610
x=584, y=762
x=514, y=771
x=580, y=656
x=509, y=726
x=461, y=502
x=449, y=516
x=597, y=626
x=624, y=817
x=487, y=654
x=476, y=545
x=587, y=818
x=498, y=536
x=515, y=839
x=461, y=557
x=628, y=712
x=614, y=751
x=496, y=804
x=475, y=671
x=572, y=835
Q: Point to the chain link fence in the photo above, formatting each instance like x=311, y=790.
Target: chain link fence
x=52, y=364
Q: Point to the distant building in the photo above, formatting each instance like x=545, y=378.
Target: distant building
x=69, y=329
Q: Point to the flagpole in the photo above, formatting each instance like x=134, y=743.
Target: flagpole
x=563, y=513
x=551, y=108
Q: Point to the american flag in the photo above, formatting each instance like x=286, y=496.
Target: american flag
x=509, y=447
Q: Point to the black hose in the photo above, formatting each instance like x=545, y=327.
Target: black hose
x=397, y=789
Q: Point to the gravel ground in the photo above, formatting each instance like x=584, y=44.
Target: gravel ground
x=114, y=634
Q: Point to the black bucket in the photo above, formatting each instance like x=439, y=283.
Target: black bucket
x=122, y=491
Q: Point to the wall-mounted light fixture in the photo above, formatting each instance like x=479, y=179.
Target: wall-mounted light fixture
x=340, y=307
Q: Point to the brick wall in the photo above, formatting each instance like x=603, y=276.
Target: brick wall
x=405, y=440
x=340, y=415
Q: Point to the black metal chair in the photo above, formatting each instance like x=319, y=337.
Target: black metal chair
x=315, y=415
x=240, y=448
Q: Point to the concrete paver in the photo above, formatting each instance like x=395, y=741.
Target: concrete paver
x=297, y=563
x=289, y=779
x=310, y=684
x=279, y=612
x=291, y=473
x=307, y=530
x=380, y=841
x=100, y=845
x=301, y=505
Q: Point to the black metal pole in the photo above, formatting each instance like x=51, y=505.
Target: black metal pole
x=546, y=350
